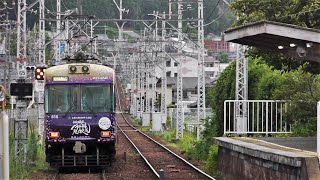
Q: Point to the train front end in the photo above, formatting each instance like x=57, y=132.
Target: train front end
x=80, y=115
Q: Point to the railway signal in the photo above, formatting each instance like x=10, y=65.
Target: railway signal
x=39, y=73
x=30, y=68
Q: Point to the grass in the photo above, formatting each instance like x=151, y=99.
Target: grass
x=35, y=158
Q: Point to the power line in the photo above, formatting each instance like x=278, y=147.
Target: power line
x=213, y=10
x=214, y=20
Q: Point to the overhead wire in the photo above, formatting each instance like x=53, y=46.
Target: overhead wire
x=213, y=10
x=214, y=20
x=193, y=27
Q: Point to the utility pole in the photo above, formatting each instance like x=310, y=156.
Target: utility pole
x=120, y=28
x=79, y=6
x=241, y=86
x=41, y=63
x=180, y=114
x=142, y=85
x=148, y=89
x=164, y=70
x=154, y=78
x=139, y=85
x=201, y=107
x=241, y=89
x=21, y=120
x=7, y=54
x=57, y=52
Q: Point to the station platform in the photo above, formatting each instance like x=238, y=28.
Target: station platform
x=268, y=158
x=302, y=143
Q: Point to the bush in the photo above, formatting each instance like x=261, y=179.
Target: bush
x=211, y=164
x=199, y=150
x=304, y=129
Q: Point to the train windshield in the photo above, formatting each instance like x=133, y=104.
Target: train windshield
x=90, y=98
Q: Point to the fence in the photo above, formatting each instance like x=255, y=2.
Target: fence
x=257, y=116
x=190, y=118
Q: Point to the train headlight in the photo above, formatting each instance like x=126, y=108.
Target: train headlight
x=104, y=123
x=85, y=69
x=73, y=69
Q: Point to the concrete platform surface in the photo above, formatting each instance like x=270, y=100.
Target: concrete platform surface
x=303, y=143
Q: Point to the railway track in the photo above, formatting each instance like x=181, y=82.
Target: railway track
x=75, y=176
x=163, y=162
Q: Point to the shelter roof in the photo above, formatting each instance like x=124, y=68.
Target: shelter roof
x=274, y=35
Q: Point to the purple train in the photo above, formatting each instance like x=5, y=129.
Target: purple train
x=80, y=115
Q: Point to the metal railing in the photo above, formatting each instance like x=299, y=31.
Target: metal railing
x=258, y=117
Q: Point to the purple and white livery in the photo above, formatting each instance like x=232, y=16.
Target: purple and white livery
x=80, y=115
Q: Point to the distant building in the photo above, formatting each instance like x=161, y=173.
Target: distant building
x=217, y=45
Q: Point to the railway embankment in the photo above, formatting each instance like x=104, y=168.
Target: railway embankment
x=245, y=158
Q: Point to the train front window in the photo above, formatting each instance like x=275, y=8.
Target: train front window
x=97, y=98
x=61, y=98
x=93, y=98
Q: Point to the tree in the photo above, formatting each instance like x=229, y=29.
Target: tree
x=223, y=57
x=299, y=12
x=223, y=90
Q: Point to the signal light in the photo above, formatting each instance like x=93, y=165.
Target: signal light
x=21, y=89
x=39, y=73
x=54, y=134
x=105, y=134
x=30, y=68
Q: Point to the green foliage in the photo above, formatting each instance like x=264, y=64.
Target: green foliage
x=302, y=90
x=35, y=156
x=211, y=163
x=287, y=11
x=223, y=57
x=299, y=87
x=304, y=128
x=168, y=122
x=112, y=32
x=224, y=90
x=137, y=122
x=200, y=150
x=32, y=144
x=139, y=9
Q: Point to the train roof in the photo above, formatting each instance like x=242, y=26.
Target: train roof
x=95, y=70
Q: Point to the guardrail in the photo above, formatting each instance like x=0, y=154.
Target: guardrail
x=257, y=117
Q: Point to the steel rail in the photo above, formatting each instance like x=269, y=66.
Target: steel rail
x=137, y=149
x=103, y=174
x=164, y=147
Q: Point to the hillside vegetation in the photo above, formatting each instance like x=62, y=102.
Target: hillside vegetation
x=138, y=9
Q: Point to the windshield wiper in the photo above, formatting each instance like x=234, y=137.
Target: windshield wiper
x=90, y=109
x=70, y=108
